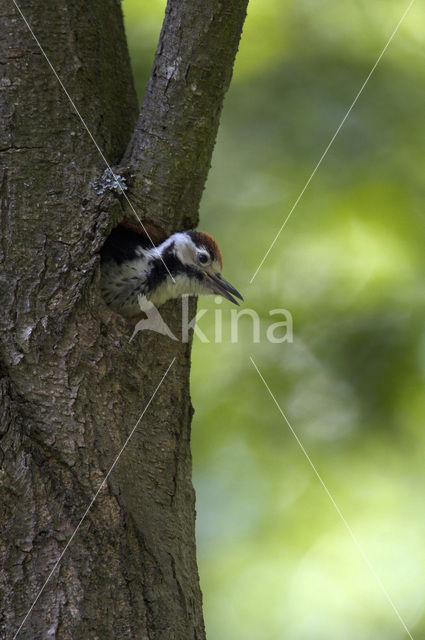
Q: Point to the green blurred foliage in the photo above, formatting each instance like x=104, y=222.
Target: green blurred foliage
x=276, y=562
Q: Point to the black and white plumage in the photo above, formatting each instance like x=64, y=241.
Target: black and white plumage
x=188, y=262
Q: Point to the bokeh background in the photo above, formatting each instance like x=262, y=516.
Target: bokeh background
x=275, y=560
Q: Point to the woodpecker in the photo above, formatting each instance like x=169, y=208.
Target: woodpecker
x=188, y=262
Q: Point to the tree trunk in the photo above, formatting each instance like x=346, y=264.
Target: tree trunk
x=72, y=385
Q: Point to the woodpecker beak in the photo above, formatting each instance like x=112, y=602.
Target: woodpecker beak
x=223, y=288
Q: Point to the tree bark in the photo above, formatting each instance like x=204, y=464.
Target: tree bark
x=72, y=386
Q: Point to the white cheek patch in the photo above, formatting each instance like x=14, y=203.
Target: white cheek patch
x=184, y=248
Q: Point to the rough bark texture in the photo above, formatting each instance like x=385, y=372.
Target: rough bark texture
x=181, y=109
x=72, y=385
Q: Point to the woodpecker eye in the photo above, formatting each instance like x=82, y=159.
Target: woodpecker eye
x=203, y=258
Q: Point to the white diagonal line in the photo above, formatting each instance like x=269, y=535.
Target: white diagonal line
x=93, y=501
x=338, y=510
x=90, y=134
x=333, y=138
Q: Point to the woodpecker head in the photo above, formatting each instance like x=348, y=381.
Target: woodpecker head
x=186, y=263
x=194, y=265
